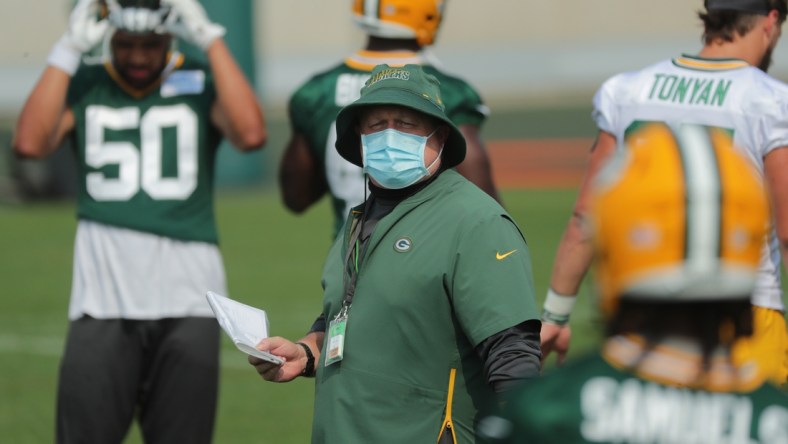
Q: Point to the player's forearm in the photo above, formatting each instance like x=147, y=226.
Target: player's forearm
x=774, y=166
x=243, y=114
x=301, y=181
x=477, y=170
x=572, y=259
x=298, y=195
x=476, y=167
x=39, y=129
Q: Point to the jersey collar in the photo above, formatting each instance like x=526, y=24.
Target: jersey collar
x=174, y=61
x=704, y=64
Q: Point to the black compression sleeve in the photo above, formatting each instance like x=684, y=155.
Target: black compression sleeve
x=512, y=355
x=319, y=324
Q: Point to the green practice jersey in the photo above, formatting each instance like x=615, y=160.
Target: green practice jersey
x=590, y=401
x=445, y=270
x=314, y=106
x=146, y=158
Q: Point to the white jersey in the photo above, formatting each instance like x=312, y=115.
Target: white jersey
x=122, y=273
x=724, y=93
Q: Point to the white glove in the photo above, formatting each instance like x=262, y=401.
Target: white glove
x=189, y=21
x=85, y=31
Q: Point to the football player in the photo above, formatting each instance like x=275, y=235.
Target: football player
x=398, y=32
x=724, y=86
x=675, y=274
x=145, y=127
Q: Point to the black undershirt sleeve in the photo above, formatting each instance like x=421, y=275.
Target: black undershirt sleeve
x=319, y=324
x=512, y=355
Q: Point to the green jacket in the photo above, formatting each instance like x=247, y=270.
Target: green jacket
x=446, y=269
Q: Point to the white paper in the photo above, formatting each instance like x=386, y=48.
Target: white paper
x=244, y=324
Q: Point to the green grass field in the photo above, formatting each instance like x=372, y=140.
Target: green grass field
x=273, y=261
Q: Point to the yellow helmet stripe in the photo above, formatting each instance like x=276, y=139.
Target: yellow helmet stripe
x=703, y=191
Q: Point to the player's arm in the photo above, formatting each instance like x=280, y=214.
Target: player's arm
x=236, y=111
x=44, y=119
x=775, y=166
x=302, y=181
x=574, y=253
x=476, y=166
x=572, y=259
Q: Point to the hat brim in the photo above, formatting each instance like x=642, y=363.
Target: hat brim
x=348, y=143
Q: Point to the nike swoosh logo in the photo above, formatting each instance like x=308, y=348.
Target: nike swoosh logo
x=501, y=257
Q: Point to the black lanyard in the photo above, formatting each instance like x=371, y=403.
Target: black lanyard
x=354, y=253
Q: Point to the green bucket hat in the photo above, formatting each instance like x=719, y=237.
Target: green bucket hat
x=407, y=86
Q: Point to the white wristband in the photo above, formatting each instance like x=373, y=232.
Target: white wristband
x=64, y=56
x=558, y=304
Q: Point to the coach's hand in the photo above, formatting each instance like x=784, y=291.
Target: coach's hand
x=294, y=355
x=555, y=338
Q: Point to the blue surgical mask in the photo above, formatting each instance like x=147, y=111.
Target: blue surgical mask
x=395, y=159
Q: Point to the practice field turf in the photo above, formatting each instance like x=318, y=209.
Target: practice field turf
x=273, y=261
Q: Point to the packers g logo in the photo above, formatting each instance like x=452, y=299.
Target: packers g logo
x=403, y=245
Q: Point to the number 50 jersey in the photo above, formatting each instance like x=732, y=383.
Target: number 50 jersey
x=724, y=93
x=146, y=158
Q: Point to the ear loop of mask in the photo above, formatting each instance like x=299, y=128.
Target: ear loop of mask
x=366, y=185
x=429, y=174
x=364, y=173
x=434, y=161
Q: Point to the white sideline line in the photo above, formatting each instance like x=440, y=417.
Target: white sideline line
x=52, y=346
